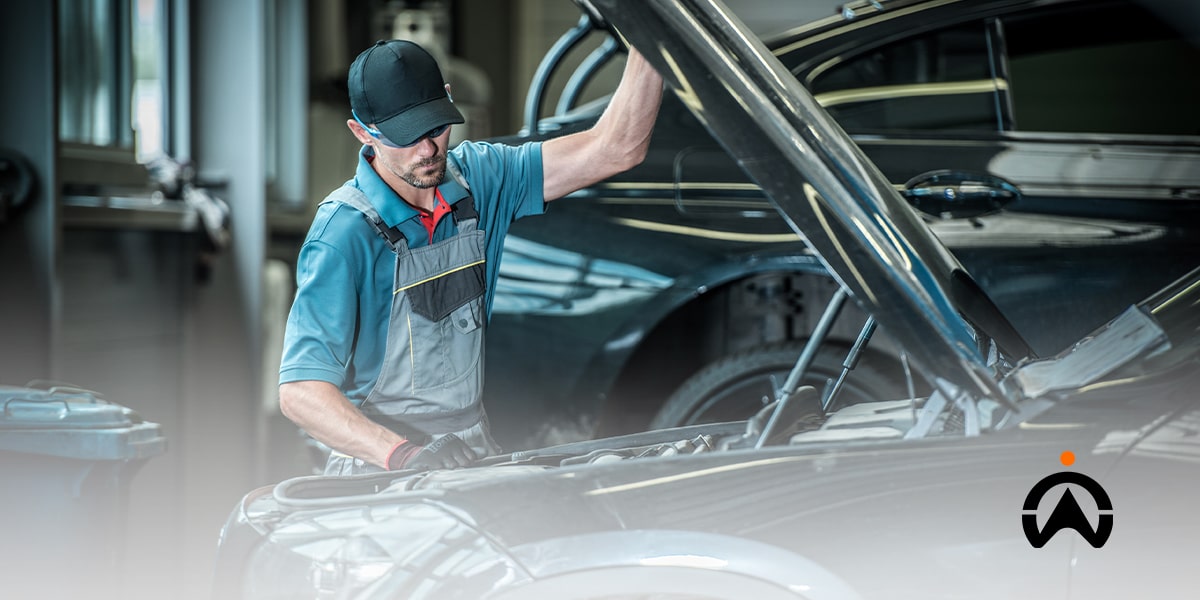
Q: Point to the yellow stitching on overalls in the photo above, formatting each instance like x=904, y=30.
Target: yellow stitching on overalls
x=412, y=285
x=412, y=357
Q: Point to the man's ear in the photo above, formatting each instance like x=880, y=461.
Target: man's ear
x=359, y=132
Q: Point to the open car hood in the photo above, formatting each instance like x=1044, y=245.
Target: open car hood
x=827, y=190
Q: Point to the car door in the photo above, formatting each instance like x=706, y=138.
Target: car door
x=1085, y=108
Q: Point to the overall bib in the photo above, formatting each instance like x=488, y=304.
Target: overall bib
x=431, y=379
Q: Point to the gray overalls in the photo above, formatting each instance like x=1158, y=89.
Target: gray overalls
x=431, y=379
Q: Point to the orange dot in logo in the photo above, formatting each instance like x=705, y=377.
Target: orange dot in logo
x=1067, y=458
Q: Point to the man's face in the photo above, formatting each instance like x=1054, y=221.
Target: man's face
x=422, y=165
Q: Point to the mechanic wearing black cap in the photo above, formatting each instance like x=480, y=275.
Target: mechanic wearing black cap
x=383, y=352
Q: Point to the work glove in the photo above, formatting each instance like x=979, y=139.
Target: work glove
x=446, y=452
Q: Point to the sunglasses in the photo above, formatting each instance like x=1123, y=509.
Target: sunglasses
x=375, y=133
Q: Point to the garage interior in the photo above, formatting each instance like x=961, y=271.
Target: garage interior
x=174, y=307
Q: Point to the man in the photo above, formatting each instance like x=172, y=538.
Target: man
x=384, y=344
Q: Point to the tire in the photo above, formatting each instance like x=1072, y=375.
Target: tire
x=733, y=388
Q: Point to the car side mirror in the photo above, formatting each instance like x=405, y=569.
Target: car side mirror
x=947, y=194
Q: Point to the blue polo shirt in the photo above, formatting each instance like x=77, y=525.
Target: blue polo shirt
x=337, y=327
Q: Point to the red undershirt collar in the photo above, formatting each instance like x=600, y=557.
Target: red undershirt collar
x=428, y=219
x=431, y=219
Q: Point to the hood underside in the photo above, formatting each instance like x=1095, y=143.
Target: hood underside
x=823, y=185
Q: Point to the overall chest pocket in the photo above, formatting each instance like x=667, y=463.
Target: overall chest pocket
x=443, y=289
x=438, y=296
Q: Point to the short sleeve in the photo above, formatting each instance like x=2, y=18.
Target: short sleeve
x=319, y=337
x=506, y=181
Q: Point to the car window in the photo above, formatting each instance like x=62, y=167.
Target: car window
x=1125, y=72
x=938, y=81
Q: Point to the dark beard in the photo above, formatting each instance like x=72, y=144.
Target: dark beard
x=410, y=176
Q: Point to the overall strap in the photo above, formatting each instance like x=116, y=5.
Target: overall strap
x=356, y=199
x=464, y=209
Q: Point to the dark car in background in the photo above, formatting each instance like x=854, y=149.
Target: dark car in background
x=1053, y=145
x=1074, y=476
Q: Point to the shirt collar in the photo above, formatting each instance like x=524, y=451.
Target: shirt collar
x=392, y=209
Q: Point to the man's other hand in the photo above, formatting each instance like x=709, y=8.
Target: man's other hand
x=446, y=452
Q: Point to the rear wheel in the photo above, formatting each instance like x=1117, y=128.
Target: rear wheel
x=733, y=388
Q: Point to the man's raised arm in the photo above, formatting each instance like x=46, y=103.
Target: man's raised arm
x=616, y=143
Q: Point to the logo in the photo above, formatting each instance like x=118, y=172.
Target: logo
x=1067, y=514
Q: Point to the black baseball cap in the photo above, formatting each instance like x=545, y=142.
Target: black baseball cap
x=396, y=86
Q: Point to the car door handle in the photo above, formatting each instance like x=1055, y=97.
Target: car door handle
x=948, y=194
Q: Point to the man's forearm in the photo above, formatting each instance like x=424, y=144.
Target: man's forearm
x=619, y=140
x=628, y=121
x=324, y=412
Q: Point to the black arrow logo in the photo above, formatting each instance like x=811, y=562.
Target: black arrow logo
x=1067, y=514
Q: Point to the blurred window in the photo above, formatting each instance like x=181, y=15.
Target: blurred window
x=92, y=72
x=149, y=83
x=111, y=79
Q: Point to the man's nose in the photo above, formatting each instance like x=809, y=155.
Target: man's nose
x=427, y=146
